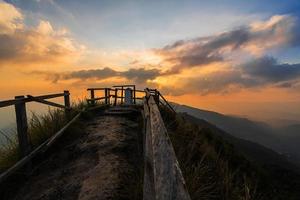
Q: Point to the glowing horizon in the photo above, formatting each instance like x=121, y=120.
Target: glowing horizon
x=238, y=62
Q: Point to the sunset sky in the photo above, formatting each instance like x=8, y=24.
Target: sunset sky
x=234, y=57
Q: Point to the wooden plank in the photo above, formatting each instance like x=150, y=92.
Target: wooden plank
x=8, y=103
x=148, y=186
x=123, y=85
x=95, y=89
x=22, y=127
x=168, y=179
x=42, y=97
x=96, y=99
x=45, y=102
x=48, y=96
x=166, y=102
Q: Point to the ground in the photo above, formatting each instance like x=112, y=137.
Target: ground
x=104, y=162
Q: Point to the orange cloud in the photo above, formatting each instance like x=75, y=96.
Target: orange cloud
x=39, y=45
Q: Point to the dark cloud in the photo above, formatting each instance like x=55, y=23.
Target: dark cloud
x=258, y=73
x=277, y=31
x=269, y=70
x=139, y=75
x=92, y=73
x=10, y=46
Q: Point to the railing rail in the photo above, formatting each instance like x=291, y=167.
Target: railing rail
x=26, y=151
x=111, y=95
x=162, y=175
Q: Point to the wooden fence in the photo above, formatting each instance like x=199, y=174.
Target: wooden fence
x=26, y=151
x=111, y=95
x=163, y=179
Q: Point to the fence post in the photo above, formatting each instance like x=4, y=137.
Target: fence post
x=122, y=95
x=116, y=96
x=106, y=95
x=67, y=103
x=156, y=97
x=134, y=99
x=92, y=97
x=22, y=126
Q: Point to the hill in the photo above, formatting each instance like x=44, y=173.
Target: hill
x=283, y=140
x=217, y=165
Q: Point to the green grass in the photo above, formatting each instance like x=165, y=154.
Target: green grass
x=40, y=128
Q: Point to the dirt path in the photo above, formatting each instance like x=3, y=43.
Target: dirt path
x=103, y=163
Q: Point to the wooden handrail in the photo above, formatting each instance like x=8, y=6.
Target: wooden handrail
x=95, y=99
x=167, y=103
x=32, y=98
x=95, y=89
x=19, y=102
x=11, y=102
x=162, y=175
x=41, y=148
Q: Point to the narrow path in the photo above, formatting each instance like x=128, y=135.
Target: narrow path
x=103, y=163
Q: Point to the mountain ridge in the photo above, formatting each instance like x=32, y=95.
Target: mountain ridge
x=283, y=140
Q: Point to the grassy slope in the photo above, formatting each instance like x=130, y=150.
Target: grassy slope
x=40, y=128
x=214, y=169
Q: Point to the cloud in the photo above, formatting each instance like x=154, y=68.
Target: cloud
x=256, y=38
x=269, y=70
x=10, y=18
x=257, y=73
x=138, y=75
x=141, y=74
x=33, y=45
x=89, y=74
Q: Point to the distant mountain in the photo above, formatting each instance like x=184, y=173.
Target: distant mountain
x=285, y=140
x=253, y=151
x=290, y=139
x=212, y=159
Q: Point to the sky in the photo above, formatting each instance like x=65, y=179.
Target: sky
x=234, y=57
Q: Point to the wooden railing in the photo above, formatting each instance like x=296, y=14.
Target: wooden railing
x=111, y=95
x=162, y=175
x=26, y=151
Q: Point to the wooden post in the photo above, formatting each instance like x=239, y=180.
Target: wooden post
x=67, y=103
x=92, y=97
x=134, y=94
x=122, y=95
x=22, y=126
x=156, y=97
x=116, y=96
x=106, y=95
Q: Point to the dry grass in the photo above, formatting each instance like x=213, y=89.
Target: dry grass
x=211, y=167
x=40, y=128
